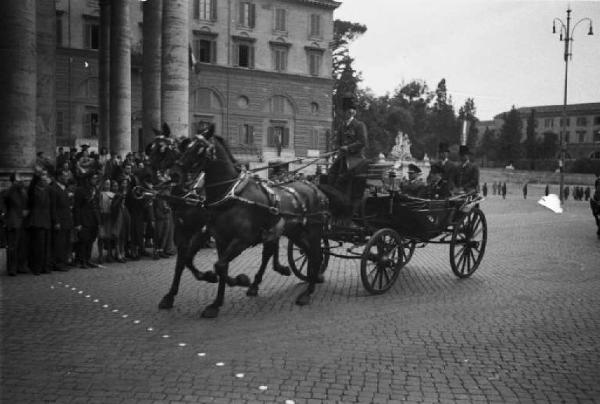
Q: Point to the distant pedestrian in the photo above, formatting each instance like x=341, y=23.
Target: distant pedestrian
x=525, y=191
x=566, y=192
x=587, y=193
x=494, y=188
x=547, y=190
x=484, y=189
x=504, y=190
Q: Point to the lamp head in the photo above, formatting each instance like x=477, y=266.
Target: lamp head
x=553, y=27
x=590, y=32
x=561, y=36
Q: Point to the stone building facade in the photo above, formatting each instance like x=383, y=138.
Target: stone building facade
x=261, y=72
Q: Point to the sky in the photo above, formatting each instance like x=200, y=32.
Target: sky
x=498, y=52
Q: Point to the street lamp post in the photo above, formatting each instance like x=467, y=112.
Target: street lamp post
x=566, y=35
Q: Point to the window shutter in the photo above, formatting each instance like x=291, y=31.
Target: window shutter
x=270, y=137
x=213, y=51
x=286, y=138
x=284, y=19
x=250, y=134
x=241, y=13
x=236, y=54
x=213, y=10
x=251, y=14
x=196, y=9
x=241, y=134
x=87, y=36
x=251, y=56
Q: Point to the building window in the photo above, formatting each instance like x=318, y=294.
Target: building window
x=90, y=124
x=548, y=123
x=315, y=58
x=205, y=48
x=315, y=25
x=247, y=14
x=246, y=134
x=314, y=108
x=581, y=121
x=581, y=136
x=280, y=20
x=280, y=54
x=595, y=155
x=90, y=88
x=278, y=136
x=91, y=36
x=597, y=120
x=567, y=137
x=568, y=121
x=60, y=123
x=205, y=10
x=597, y=136
x=278, y=104
x=59, y=31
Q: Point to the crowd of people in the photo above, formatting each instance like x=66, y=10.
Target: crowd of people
x=81, y=200
x=580, y=193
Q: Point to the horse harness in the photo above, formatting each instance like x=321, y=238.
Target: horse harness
x=273, y=205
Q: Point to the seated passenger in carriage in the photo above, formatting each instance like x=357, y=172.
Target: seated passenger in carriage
x=351, y=161
x=415, y=185
x=466, y=174
x=441, y=176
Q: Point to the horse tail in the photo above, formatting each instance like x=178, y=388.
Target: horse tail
x=338, y=202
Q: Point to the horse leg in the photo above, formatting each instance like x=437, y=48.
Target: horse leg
x=277, y=267
x=167, y=300
x=269, y=249
x=234, y=249
x=314, y=265
x=196, y=244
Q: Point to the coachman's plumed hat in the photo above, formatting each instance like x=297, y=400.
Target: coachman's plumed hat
x=348, y=102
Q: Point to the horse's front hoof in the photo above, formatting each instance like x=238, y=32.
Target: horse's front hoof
x=303, y=299
x=209, y=276
x=166, y=303
x=283, y=270
x=210, y=312
x=252, y=291
x=242, y=280
x=319, y=278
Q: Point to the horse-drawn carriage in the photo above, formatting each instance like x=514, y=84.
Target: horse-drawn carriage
x=392, y=225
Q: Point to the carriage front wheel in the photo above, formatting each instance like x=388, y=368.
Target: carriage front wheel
x=467, y=246
x=298, y=259
x=382, y=259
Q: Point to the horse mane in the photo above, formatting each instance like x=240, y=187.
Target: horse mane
x=223, y=143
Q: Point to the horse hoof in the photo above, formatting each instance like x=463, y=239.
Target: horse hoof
x=283, y=270
x=319, y=278
x=210, y=312
x=166, y=303
x=303, y=299
x=210, y=277
x=242, y=280
x=252, y=291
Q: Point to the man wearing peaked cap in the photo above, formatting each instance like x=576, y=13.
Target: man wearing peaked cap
x=467, y=174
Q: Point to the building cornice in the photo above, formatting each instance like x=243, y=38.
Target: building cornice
x=262, y=73
x=330, y=4
x=554, y=110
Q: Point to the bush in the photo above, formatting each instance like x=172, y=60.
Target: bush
x=584, y=166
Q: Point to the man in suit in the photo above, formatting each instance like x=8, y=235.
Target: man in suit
x=467, y=173
x=13, y=205
x=86, y=218
x=351, y=141
x=441, y=174
x=62, y=221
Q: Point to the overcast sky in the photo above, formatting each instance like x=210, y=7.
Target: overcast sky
x=499, y=52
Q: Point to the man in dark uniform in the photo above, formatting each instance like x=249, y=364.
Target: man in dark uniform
x=13, y=205
x=86, y=217
x=62, y=221
x=351, y=141
x=467, y=173
x=441, y=174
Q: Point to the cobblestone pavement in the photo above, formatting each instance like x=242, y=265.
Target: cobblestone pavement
x=524, y=328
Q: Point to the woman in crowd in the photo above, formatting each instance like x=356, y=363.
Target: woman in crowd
x=105, y=230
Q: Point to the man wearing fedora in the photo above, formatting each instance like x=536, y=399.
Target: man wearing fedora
x=467, y=173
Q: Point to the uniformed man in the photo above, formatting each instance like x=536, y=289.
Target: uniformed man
x=467, y=174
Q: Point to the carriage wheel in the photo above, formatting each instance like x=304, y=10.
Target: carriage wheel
x=467, y=246
x=299, y=261
x=383, y=257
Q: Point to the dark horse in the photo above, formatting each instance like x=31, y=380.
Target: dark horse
x=245, y=212
x=595, y=206
x=191, y=217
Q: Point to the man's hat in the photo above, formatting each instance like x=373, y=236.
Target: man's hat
x=464, y=150
x=443, y=148
x=85, y=146
x=412, y=168
x=348, y=102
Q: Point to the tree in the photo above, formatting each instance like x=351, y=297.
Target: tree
x=344, y=32
x=488, y=146
x=443, y=126
x=510, y=147
x=531, y=150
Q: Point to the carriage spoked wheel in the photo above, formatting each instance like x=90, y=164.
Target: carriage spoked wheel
x=298, y=259
x=382, y=259
x=468, y=242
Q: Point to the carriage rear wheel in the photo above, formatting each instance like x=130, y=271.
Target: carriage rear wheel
x=382, y=259
x=298, y=259
x=467, y=246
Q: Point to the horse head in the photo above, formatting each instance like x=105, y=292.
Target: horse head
x=197, y=151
